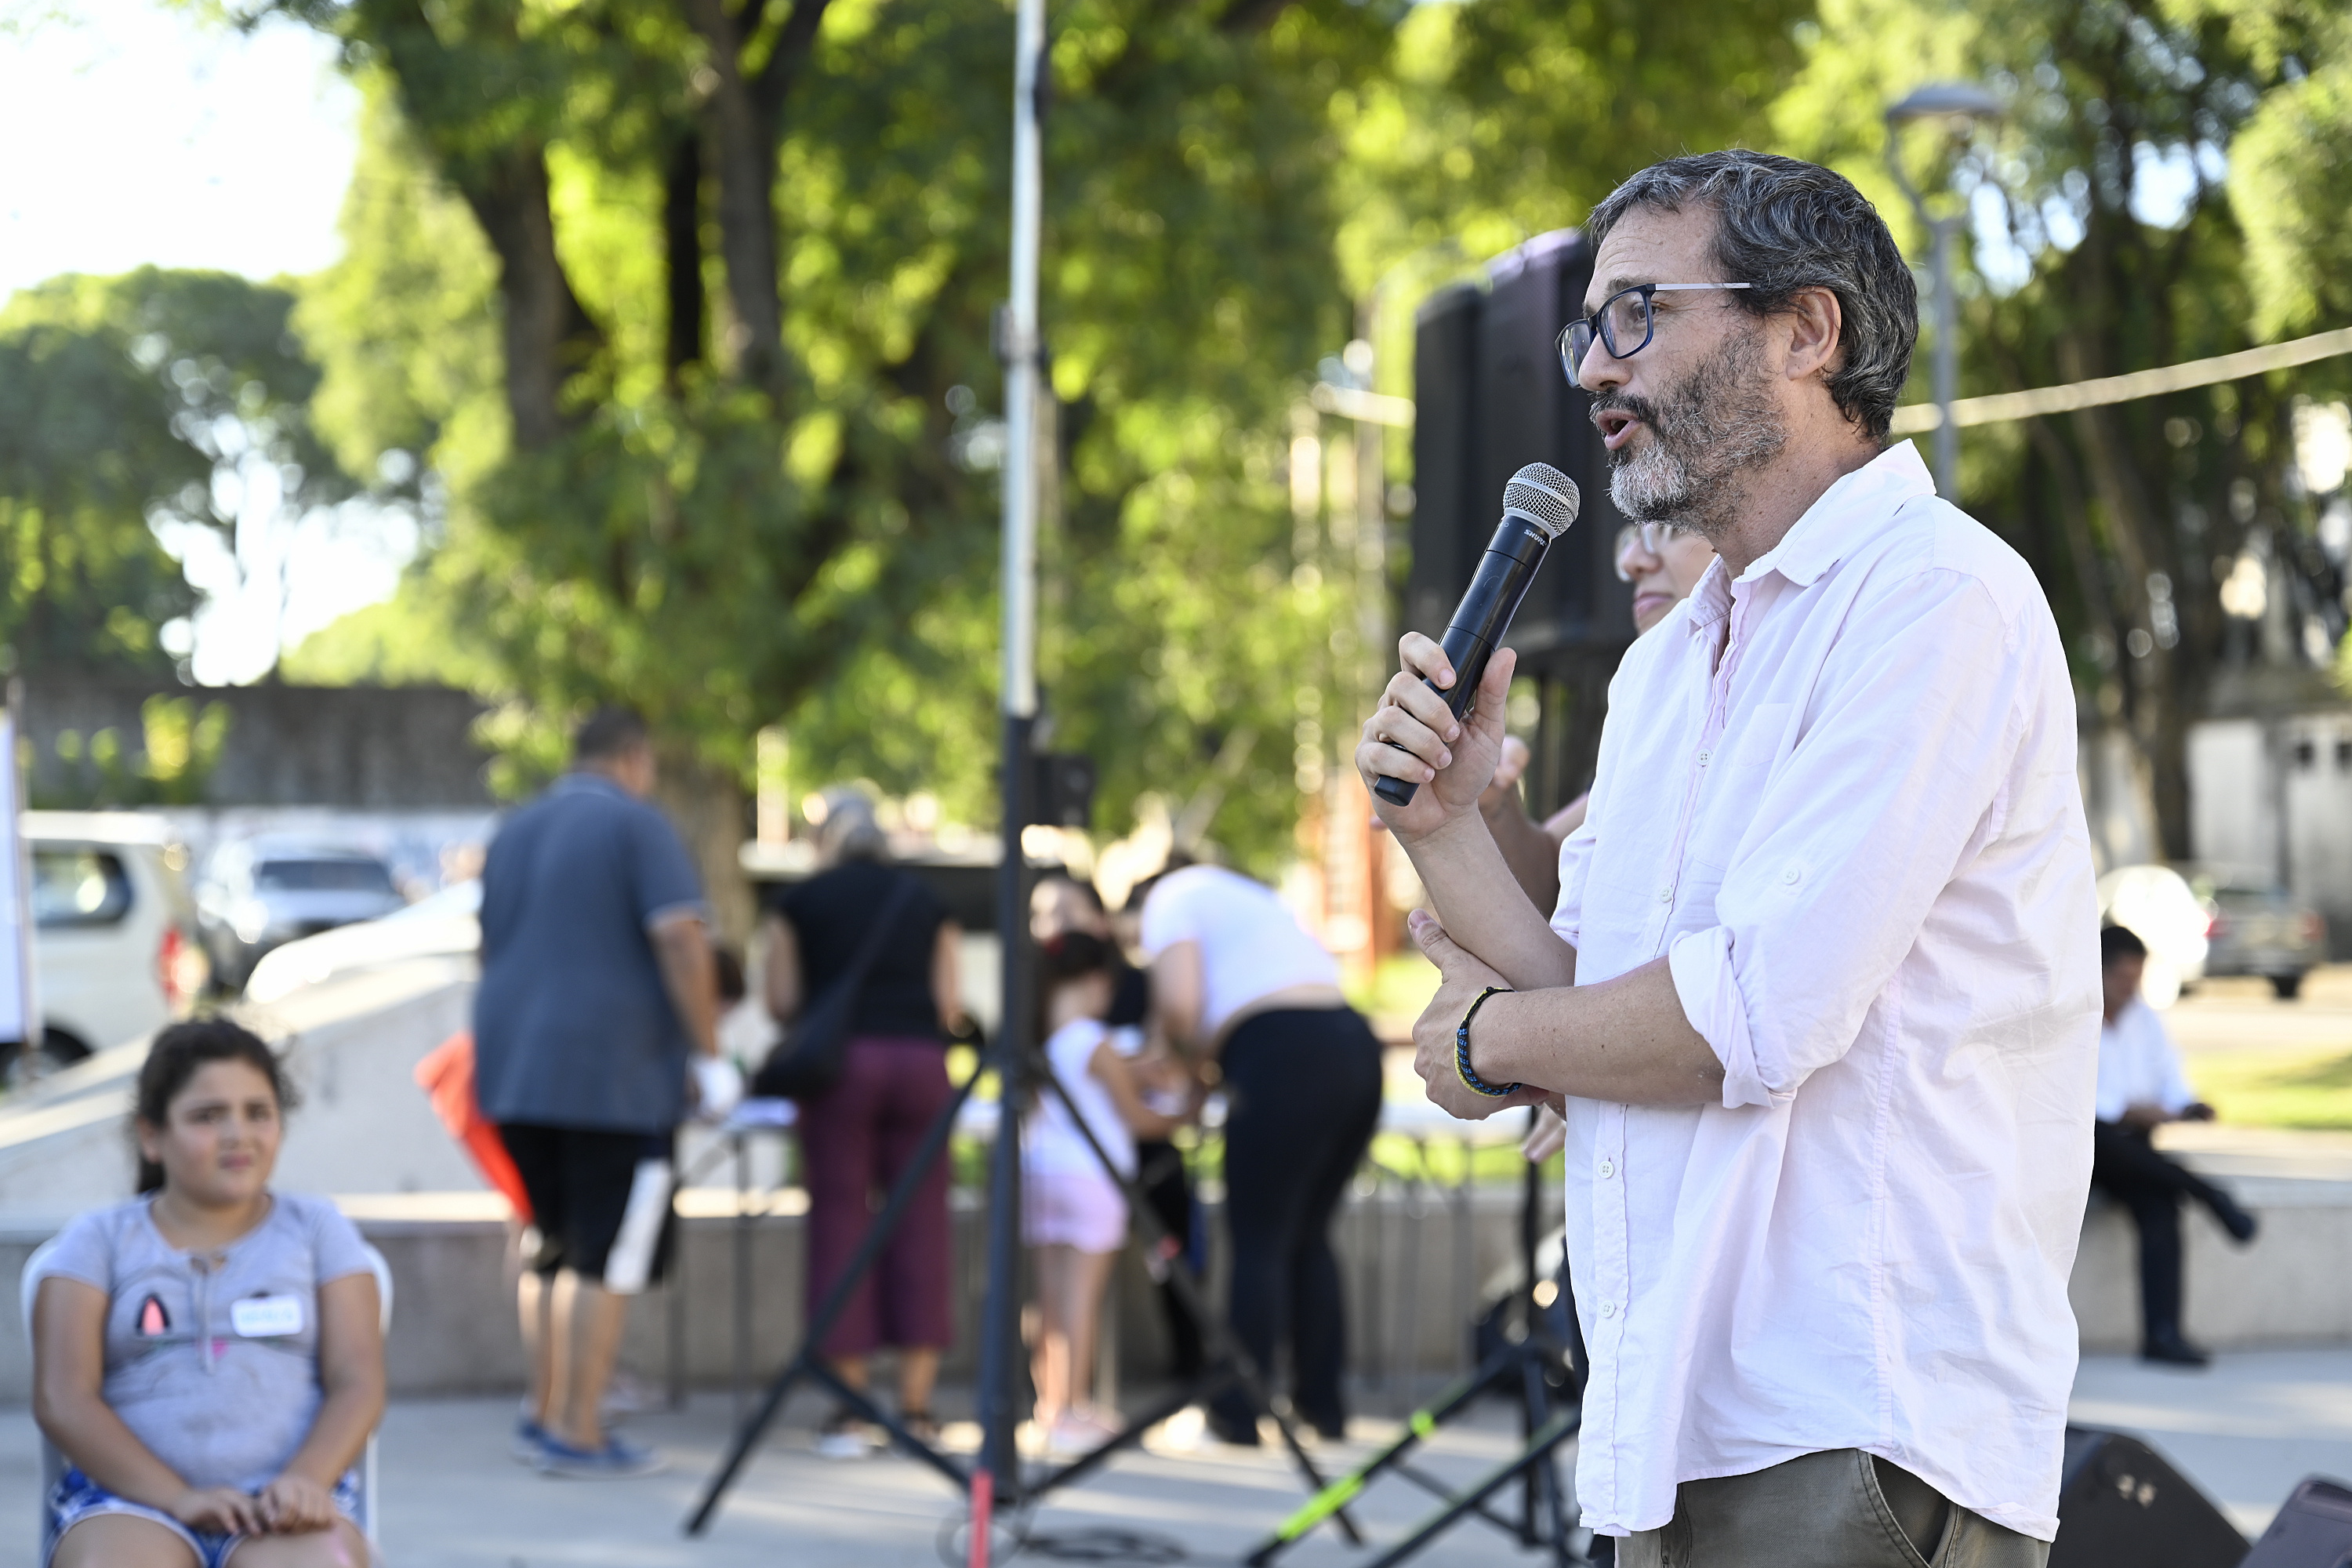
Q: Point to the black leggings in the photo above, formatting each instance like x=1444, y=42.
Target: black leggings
x=1304, y=1093
x=2127, y=1166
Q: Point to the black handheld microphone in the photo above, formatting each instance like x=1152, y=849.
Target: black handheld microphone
x=1537, y=506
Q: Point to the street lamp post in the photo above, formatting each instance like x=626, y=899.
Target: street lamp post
x=1961, y=105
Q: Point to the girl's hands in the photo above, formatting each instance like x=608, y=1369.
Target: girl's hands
x=220, y=1510
x=293, y=1505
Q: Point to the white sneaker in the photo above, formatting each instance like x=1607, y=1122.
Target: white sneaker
x=844, y=1440
x=1078, y=1432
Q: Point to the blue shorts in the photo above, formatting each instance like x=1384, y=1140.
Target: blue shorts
x=76, y=1498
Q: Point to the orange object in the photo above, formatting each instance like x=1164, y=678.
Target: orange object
x=447, y=1076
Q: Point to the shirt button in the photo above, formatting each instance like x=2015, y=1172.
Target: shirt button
x=1703, y=757
x=1608, y=1309
x=1608, y=1168
x=1667, y=895
x=1790, y=876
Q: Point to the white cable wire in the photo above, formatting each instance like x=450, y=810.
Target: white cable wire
x=1916, y=418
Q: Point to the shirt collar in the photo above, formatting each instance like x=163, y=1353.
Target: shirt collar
x=580, y=778
x=1849, y=512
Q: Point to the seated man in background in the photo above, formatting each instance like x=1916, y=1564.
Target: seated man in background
x=2141, y=1087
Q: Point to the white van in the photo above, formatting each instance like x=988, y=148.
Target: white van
x=115, y=952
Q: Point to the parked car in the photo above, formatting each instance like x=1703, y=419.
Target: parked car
x=2157, y=905
x=443, y=924
x=2256, y=928
x=115, y=947
x=258, y=893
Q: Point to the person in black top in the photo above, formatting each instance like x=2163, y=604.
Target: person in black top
x=858, y=1135
x=1062, y=902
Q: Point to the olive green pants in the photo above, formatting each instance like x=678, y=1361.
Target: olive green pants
x=1842, y=1509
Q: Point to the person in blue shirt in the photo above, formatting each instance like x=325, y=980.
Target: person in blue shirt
x=598, y=996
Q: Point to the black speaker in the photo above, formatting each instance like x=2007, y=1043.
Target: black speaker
x=2313, y=1530
x=1490, y=398
x=2120, y=1506
x=1065, y=789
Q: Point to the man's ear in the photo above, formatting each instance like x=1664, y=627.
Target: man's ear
x=1815, y=319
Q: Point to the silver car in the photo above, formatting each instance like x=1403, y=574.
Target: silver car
x=261, y=892
x=2260, y=930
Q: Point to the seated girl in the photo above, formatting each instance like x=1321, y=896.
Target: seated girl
x=1074, y=1216
x=208, y=1357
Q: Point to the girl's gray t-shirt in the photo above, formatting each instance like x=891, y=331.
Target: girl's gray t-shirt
x=212, y=1358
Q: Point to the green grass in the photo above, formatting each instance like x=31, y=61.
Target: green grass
x=2277, y=1088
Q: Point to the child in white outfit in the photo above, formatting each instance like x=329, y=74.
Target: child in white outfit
x=1074, y=1216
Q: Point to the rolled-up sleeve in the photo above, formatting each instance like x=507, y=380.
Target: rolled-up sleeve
x=1892, y=780
x=1700, y=962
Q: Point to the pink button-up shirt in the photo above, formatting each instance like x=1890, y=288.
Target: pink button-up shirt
x=1840, y=795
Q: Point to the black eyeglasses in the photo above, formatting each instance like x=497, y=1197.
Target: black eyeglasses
x=1624, y=319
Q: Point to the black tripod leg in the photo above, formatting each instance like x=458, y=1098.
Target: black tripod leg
x=1217, y=1338
x=1543, y=1478
x=1555, y=1431
x=857, y=1399
x=878, y=1236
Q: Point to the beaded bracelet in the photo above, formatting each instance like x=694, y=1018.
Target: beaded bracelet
x=1471, y=1080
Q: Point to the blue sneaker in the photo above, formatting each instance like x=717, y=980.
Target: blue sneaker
x=618, y=1457
x=530, y=1438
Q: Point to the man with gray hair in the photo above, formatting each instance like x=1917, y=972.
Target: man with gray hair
x=1820, y=1001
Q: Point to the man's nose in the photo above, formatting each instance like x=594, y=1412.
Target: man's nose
x=1601, y=369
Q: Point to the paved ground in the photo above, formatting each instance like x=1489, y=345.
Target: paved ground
x=2245, y=1431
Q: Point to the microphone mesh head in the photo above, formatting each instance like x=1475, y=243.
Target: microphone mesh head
x=1544, y=496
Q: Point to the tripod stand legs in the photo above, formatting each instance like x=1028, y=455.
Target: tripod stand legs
x=807, y=1361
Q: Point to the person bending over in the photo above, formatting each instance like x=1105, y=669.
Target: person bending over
x=1235, y=978
x=2141, y=1087
x=1819, y=999
x=208, y=1357
x=1073, y=1215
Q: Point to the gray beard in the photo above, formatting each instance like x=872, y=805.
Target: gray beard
x=1719, y=420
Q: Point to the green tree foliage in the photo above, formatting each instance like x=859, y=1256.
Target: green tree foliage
x=2110, y=243
x=742, y=266
x=129, y=405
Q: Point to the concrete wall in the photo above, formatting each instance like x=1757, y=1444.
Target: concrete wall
x=1415, y=1266
x=351, y=1047
x=454, y=1327
x=287, y=746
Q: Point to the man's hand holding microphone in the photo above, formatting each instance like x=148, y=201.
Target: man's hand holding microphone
x=1429, y=751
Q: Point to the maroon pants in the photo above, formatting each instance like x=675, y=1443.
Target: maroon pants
x=855, y=1138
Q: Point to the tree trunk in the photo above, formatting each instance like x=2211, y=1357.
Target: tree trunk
x=548, y=335
x=743, y=146
x=2157, y=710
x=705, y=806
x=682, y=244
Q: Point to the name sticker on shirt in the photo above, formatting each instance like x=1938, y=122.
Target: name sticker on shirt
x=266, y=1317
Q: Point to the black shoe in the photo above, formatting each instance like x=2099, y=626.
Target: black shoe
x=1241, y=1435
x=2169, y=1348
x=2240, y=1225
